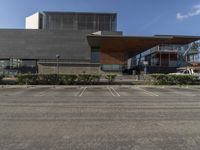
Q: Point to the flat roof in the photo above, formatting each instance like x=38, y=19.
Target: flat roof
x=136, y=44
x=70, y=12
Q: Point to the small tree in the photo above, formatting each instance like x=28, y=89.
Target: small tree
x=111, y=78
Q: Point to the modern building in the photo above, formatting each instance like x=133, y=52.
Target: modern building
x=85, y=42
x=126, y=53
x=47, y=34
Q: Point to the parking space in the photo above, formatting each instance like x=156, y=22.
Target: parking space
x=162, y=91
x=11, y=91
x=100, y=91
x=81, y=116
x=55, y=91
x=40, y=91
x=131, y=91
x=186, y=91
x=96, y=91
x=139, y=91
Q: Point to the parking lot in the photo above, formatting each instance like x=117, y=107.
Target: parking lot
x=99, y=117
x=98, y=91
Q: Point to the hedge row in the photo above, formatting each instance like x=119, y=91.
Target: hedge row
x=111, y=78
x=53, y=79
x=1, y=78
x=167, y=79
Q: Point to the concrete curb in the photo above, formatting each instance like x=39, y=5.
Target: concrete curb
x=76, y=86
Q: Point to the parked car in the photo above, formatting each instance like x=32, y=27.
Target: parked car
x=187, y=71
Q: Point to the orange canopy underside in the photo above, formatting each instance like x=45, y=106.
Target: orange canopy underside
x=136, y=44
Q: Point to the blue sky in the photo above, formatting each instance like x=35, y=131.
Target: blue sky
x=135, y=17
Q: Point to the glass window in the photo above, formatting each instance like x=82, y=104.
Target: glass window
x=68, y=22
x=41, y=23
x=4, y=64
x=95, y=55
x=112, y=67
x=186, y=72
x=14, y=66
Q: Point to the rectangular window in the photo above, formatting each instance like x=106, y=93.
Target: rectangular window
x=95, y=55
x=40, y=22
x=114, y=67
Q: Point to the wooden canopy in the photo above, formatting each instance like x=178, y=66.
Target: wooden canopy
x=136, y=44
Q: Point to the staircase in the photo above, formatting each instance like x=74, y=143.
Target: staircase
x=183, y=57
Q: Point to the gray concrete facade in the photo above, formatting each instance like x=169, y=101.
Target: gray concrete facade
x=44, y=44
x=50, y=33
x=62, y=33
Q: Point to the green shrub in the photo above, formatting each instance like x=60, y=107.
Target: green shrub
x=88, y=79
x=95, y=79
x=1, y=78
x=49, y=79
x=53, y=79
x=68, y=79
x=167, y=79
x=111, y=78
x=83, y=78
x=28, y=79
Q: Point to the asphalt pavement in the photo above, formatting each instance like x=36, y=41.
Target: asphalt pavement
x=99, y=118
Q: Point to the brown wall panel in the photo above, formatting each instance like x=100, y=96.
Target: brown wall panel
x=112, y=57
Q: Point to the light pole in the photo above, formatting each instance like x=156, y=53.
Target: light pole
x=145, y=63
x=57, y=58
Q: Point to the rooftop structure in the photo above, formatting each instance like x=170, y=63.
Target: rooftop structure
x=72, y=21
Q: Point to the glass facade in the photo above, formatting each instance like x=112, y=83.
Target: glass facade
x=162, y=55
x=85, y=22
x=59, y=22
x=15, y=66
x=112, y=67
x=194, y=53
x=76, y=21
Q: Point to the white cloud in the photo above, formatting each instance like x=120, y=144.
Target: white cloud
x=194, y=12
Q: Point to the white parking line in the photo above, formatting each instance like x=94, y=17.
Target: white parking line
x=147, y=92
x=115, y=91
x=110, y=91
x=82, y=92
x=79, y=91
x=182, y=93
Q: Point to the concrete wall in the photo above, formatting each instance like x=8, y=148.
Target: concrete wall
x=32, y=22
x=68, y=68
